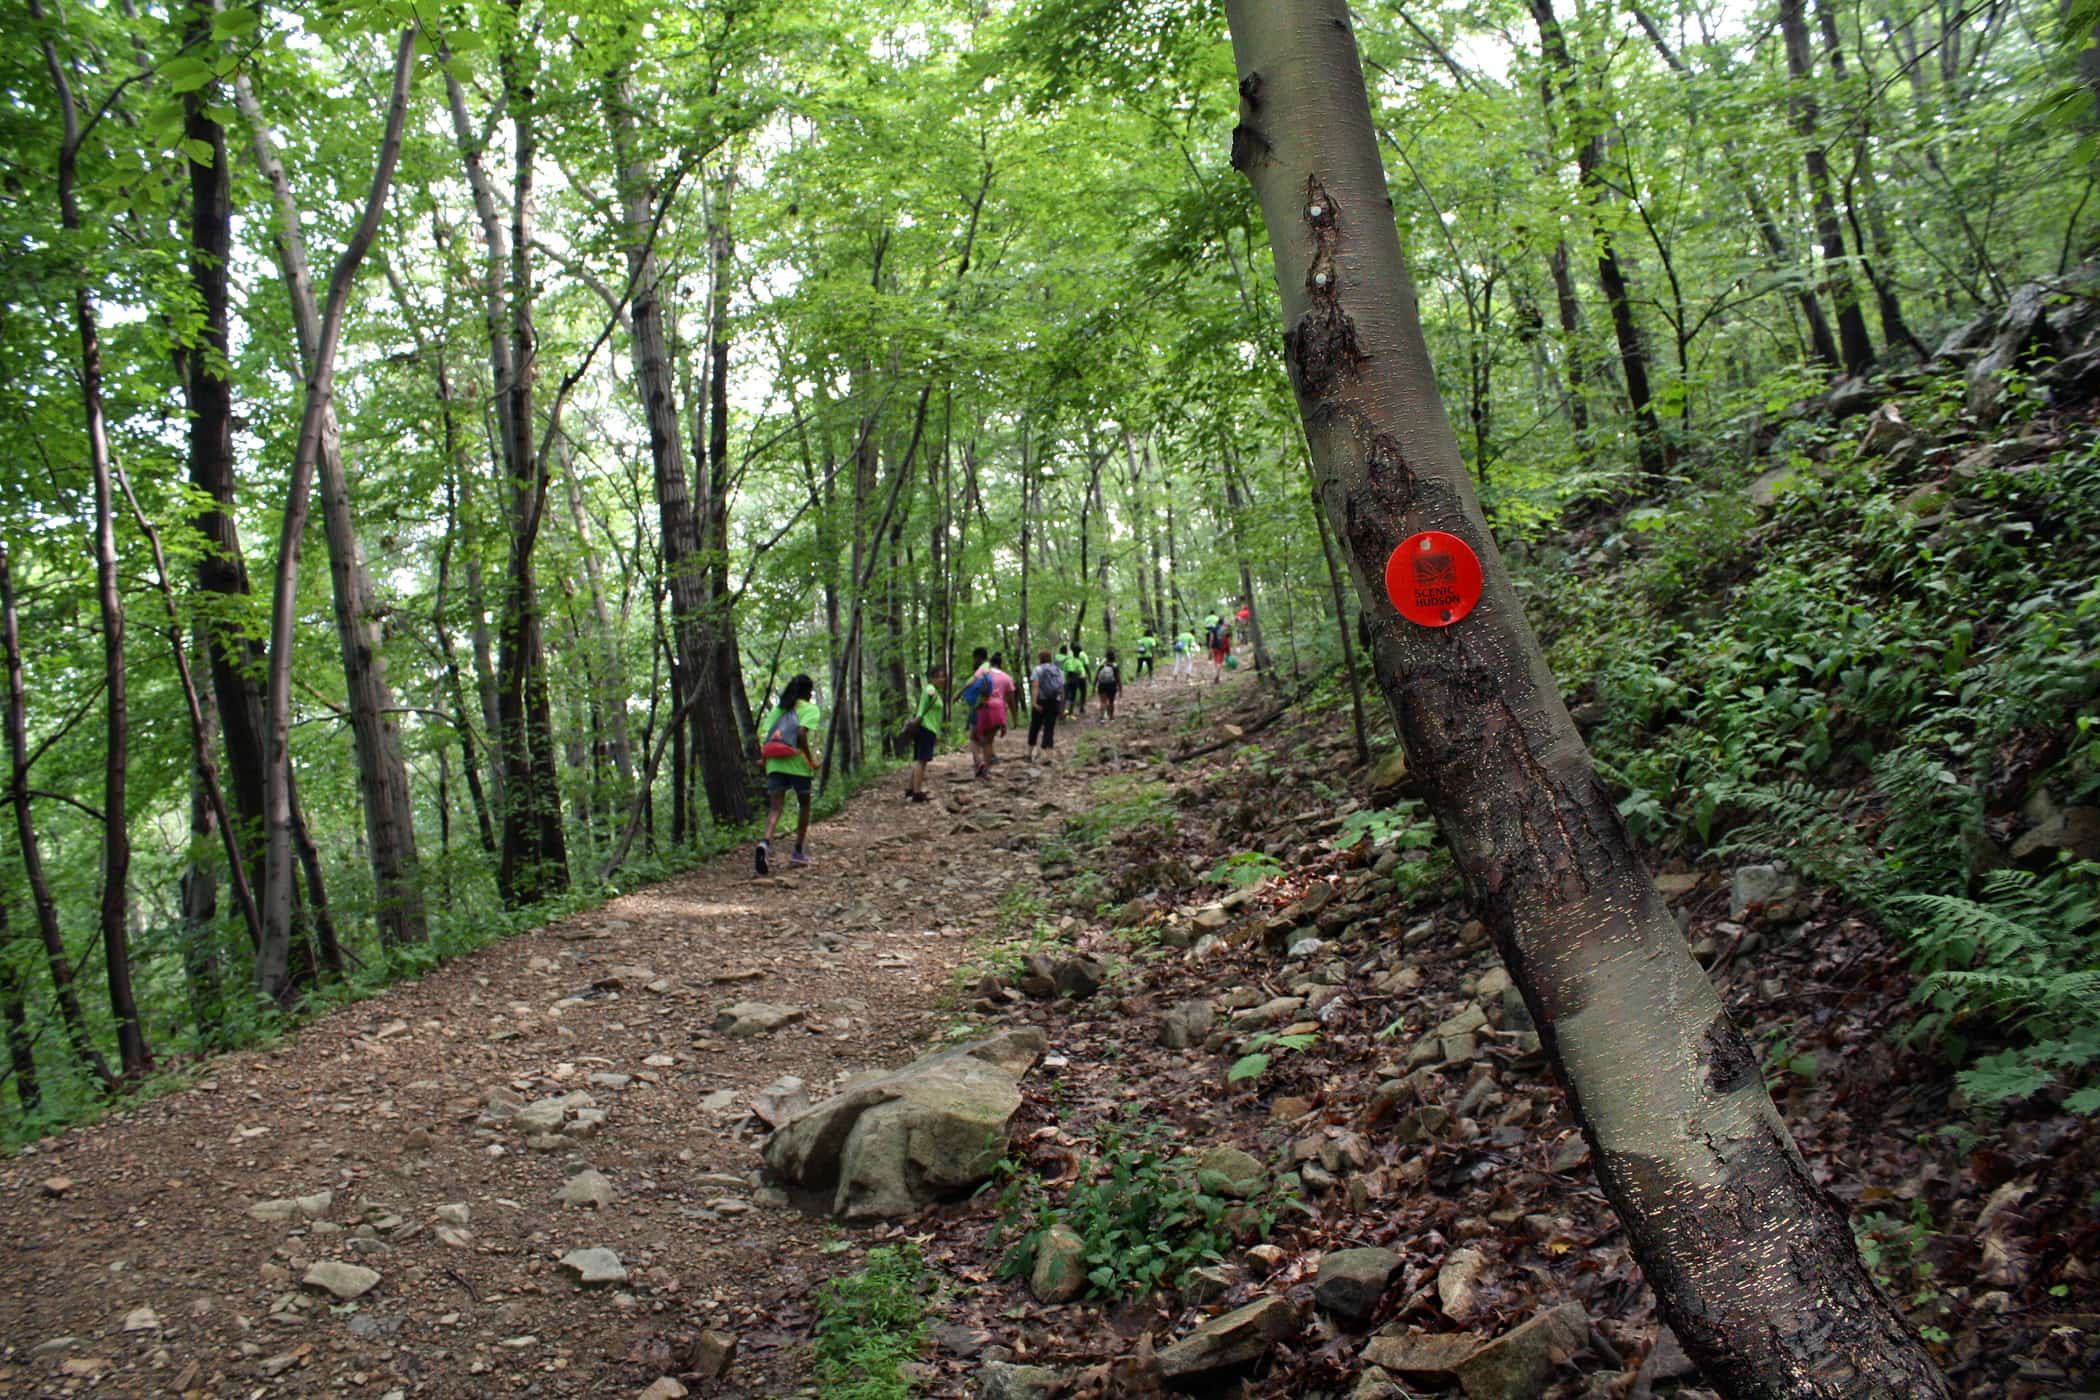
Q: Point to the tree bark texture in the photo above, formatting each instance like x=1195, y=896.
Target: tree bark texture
x=1754, y=1266
x=382, y=774
x=533, y=861
x=282, y=828
x=1853, y=344
x=133, y=1055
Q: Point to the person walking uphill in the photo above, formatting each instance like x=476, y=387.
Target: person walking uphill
x=1146, y=645
x=1075, y=679
x=1108, y=683
x=789, y=748
x=926, y=730
x=1185, y=653
x=1047, y=682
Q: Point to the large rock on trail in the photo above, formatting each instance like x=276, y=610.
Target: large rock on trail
x=896, y=1140
x=1518, y=1364
x=1231, y=1342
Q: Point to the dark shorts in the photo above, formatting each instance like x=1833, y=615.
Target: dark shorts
x=922, y=742
x=1108, y=692
x=783, y=782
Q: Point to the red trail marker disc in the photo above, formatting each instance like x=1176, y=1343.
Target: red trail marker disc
x=1433, y=578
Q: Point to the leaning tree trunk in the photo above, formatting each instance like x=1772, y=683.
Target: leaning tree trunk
x=284, y=832
x=382, y=775
x=1752, y=1262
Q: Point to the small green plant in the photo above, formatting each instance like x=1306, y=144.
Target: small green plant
x=871, y=1322
x=1262, y=1050
x=1401, y=823
x=1126, y=803
x=1139, y=1210
x=1245, y=869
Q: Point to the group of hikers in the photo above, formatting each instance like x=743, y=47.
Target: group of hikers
x=1058, y=685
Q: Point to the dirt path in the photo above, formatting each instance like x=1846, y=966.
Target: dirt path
x=135, y=1263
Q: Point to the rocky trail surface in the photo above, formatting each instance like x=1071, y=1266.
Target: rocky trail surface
x=535, y=1171
x=1259, y=1110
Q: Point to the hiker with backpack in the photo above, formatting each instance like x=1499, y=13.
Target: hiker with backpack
x=1075, y=679
x=1108, y=683
x=975, y=692
x=789, y=749
x=1220, y=650
x=1048, y=683
x=925, y=731
x=998, y=689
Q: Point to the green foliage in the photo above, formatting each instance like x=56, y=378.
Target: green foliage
x=1245, y=869
x=870, y=1323
x=1262, y=1050
x=1125, y=806
x=1138, y=1209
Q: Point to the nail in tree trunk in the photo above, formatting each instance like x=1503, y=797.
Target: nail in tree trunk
x=382, y=774
x=1853, y=344
x=45, y=906
x=1753, y=1264
x=116, y=832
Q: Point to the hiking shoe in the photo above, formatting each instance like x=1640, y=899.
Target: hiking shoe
x=759, y=855
x=915, y=797
x=799, y=858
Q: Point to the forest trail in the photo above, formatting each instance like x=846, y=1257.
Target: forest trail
x=138, y=1262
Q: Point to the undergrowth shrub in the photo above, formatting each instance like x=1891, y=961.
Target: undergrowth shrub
x=1139, y=1208
x=870, y=1323
x=1864, y=680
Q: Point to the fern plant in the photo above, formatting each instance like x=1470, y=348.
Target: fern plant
x=2028, y=954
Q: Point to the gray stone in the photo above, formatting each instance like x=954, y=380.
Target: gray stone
x=594, y=1268
x=1759, y=884
x=1079, y=977
x=344, y=1281
x=1001, y=1380
x=1386, y=775
x=540, y=1116
x=1231, y=1342
x=1187, y=1024
x=455, y=1213
x=1375, y=1384
x=1519, y=1364
x=895, y=1141
x=713, y=1351
x=1269, y=1013
x=781, y=1100
x=744, y=1019
x=1664, y=1367
x=1426, y=1358
x=2024, y=326
x=1306, y=947
x=1204, y=1285
x=587, y=1190
x=1458, y=1282
x=1060, y=1266
x=1211, y=917
x=663, y=1388
x=1224, y=1170
x=1351, y=1281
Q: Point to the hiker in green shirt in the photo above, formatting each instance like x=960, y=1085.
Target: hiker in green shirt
x=789, y=749
x=1074, y=662
x=926, y=730
x=1146, y=645
x=1185, y=654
